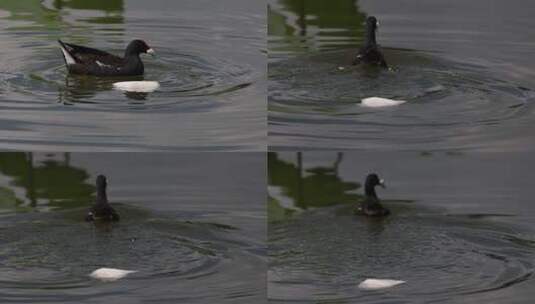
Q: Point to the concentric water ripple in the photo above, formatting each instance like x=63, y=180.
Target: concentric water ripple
x=155, y=247
x=182, y=77
x=210, y=64
x=322, y=256
x=315, y=102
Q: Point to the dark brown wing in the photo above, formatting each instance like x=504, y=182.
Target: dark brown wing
x=371, y=55
x=87, y=56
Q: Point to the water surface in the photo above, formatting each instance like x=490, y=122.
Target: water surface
x=461, y=228
x=193, y=234
x=465, y=70
x=212, y=94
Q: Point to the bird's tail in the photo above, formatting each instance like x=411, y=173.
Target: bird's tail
x=69, y=59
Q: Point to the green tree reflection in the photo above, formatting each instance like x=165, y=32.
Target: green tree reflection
x=316, y=187
x=294, y=18
x=35, y=11
x=49, y=183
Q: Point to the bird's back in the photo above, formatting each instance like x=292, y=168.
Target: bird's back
x=104, y=212
x=90, y=61
x=372, y=207
x=371, y=54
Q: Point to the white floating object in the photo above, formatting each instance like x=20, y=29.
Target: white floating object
x=434, y=89
x=377, y=102
x=110, y=274
x=137, y=86
x=376, y=284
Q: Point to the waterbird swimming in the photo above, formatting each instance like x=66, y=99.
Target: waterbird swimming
x=88, y=61
x=370, y=53
x=371, y=205
x=102, y=210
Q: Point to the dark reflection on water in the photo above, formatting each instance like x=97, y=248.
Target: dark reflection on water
x=452, y=236
x=108, y=6
x=316, y=187
x=297, y=26
x=190, y=238
x=455, y=100
x=48, y=184
x=197, y=67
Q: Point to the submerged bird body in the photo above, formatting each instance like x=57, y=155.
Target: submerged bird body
x=102, y=210
x=371, y=206
x=370, y=52
x=88, y=61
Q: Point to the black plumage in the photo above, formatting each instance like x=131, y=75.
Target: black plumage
x=88, y=61
x=371, y=205
x=370, y=53
x=102, y=210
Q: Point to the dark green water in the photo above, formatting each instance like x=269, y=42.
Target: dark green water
x=193, y=234
x=461, y=228
x=212, y=94
x=465, y=70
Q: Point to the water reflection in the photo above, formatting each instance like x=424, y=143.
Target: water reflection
x=179, y=229
x=315, y=95
x=199, y=70
x=33, y=11
x=93, y=12
x=318, y=186
x=323, y=254
x=72, y=20
x=52, y=15
x=302, y=24
x=81, y=88
x=43, y=182
x=108, y=6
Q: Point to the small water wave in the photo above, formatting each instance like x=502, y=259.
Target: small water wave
x=40, y=252
x=449, y=104
x=182, y=77
x=440, y=257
